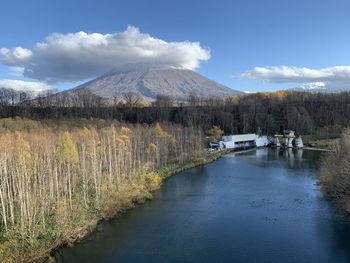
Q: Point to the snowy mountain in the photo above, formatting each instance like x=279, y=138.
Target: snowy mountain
x=148, y=82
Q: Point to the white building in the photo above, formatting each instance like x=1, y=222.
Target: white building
x=241, y=141
x=251, y=140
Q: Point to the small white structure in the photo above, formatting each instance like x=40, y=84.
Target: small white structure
x=251, y=140
x=298, y=142
x=261, y=141
x=239, y=137
x=242, y=141
x=290, y=140
x=227, y=144
x=274, y=141
x=288, y=137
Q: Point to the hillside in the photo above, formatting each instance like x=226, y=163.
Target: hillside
x=150, y=82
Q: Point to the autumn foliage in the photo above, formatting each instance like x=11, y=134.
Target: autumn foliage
x=335, y=171
x=53, y=184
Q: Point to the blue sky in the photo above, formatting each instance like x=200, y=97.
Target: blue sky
x=293, y=43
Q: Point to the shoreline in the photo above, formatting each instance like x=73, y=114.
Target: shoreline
x=317, y=149
x=46, y=254
x=280, y=148
x=245, y=151
x=91, y=226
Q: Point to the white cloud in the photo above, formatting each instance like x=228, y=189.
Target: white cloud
x=79, y=56
x=312, y=86
x=27, y=86
x=332, y=78
x=16, y=56
x=295, y=74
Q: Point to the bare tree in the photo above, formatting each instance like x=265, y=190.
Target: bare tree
x=5, y=98
x=59, y=180
x=85, y=98
x=163, y=101
x=131, y=99
x=193, y=100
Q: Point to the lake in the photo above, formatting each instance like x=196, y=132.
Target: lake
x=261, y=206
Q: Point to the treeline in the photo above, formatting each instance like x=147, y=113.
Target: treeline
x=54, y=184
x=321, y=114
x=335, y=171
x=14, y=97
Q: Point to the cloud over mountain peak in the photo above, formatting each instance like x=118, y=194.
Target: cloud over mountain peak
x=80, y=56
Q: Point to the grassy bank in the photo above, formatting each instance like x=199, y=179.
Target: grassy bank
x=56, y=185
x=322, y=143
x=207, y=157
x=73, y=227
x=335, y=171
x=125, y=196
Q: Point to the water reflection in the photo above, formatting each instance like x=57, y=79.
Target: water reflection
x=261, y=206
x=295, y=158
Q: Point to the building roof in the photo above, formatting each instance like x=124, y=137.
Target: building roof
x=240, y=137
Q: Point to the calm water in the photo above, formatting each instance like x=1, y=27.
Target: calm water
x=261, y=206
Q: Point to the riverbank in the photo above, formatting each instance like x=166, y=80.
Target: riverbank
x=72, y=224
x=209, y=157
x=317, y=149
x=56, y=185
x=163, y=174
x=129, y=194
x=321, y=143
x=335, y=172
x=256, y=201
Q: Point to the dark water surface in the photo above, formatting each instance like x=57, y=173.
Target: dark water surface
x=261, y=206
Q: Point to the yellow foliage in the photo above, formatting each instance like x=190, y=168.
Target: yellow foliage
x=148, y=166
x=159, y=131
x=62, y=202
x=22, y=148
x=67, y=151
x=215, y=132
x=124, y=138
x=163, y=134
x=281, y=94
x=125, y=130
x=152, y=147
x=153, y=180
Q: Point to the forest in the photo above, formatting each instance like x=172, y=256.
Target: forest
x=57, y=183
x=322, y=115
x=66, y=163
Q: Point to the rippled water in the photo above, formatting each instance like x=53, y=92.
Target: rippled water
x=262, y=206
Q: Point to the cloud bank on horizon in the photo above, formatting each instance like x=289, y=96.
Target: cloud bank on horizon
x=27, y=86
x=331, y=78
x=81, y=56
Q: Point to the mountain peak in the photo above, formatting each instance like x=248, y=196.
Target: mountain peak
x=133, y=67
x=149, y=80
